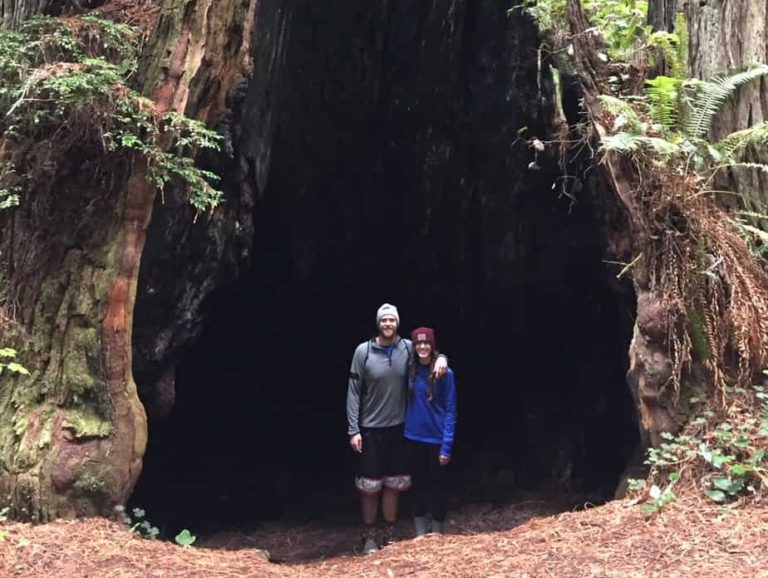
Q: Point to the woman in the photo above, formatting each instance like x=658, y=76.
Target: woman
x=429, y=427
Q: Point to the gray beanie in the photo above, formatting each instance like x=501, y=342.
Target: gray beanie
x=387, y=309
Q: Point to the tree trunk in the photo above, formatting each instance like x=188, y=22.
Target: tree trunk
x=73, y=434
x=661, y=14
x=725, y=36
x=650, y=366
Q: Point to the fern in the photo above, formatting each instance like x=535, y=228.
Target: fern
x=663, y=101
x=735, y=143
x=625, y=143
x=756, y=232
x=752, y=214
x=710, y=96
x=625, y=114
x=763, y=168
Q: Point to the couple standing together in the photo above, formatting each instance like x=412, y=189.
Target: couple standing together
x=401, y=413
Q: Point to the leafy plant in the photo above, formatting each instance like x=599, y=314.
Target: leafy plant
x=663, y=98
x=621, y=23
x=7, y=355
x=635, y=484
x=661, y=498
x=137, y=523
x=709, y=97
x=681, y=112
x=725, y=453
x=185, y=538
x=63, y=87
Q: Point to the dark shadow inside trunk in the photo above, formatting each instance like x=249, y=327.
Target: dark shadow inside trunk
x=399, y=172
x=258, y=428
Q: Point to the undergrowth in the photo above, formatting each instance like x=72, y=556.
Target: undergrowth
x=64, y=88
x=621, y=24
x=720, y=454
x=137, y=523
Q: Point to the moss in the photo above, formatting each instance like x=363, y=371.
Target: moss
x=80, y=363
x=34, y=428
x=84, y=422
x=89, y=482
x=20, y=423
x=45, y=437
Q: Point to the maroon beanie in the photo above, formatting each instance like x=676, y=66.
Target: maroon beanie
x=424, y=334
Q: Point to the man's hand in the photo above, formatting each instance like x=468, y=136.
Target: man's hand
x=441, y=365
x=444, y=460
x=356, y=441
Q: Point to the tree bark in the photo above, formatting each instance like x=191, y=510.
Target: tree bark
x=73, y=434
x=661, y=14
x=727, y=36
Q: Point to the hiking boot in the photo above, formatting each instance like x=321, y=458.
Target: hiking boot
x=369, y=541
x=420, y=523
x=437, y=527
x=389, y=535
x=370, y=546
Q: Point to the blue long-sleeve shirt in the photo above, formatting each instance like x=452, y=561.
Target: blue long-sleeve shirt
x=432, y=422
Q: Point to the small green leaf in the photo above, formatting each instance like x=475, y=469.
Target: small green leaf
x=18, y=368
x=185, y=538
x=721, y=483
x=741, y=442
x=740, y=469
x=705, y=452
x=716, y=496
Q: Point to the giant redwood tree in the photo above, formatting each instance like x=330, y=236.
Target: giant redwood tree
x=73, y=433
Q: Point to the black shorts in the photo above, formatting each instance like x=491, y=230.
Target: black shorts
x=383, y=461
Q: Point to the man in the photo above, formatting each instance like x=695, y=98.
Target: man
x=376, y=400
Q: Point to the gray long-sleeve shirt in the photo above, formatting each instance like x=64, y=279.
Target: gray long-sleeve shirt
x=382, y=381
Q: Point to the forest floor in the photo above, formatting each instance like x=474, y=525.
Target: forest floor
x=689, y=538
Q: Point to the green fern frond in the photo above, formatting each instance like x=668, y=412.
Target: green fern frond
x=754, y=231
x=733, y=144
x=752, y=214
x=623, y=110
x=710, y=96
x=626, y=143
x=763, y=168
x=663, y=101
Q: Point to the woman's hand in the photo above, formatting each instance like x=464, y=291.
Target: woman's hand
x=356, y=441
x=441, y=365
x=444, y=460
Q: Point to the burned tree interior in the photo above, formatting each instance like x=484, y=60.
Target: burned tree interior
x=395, y=166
